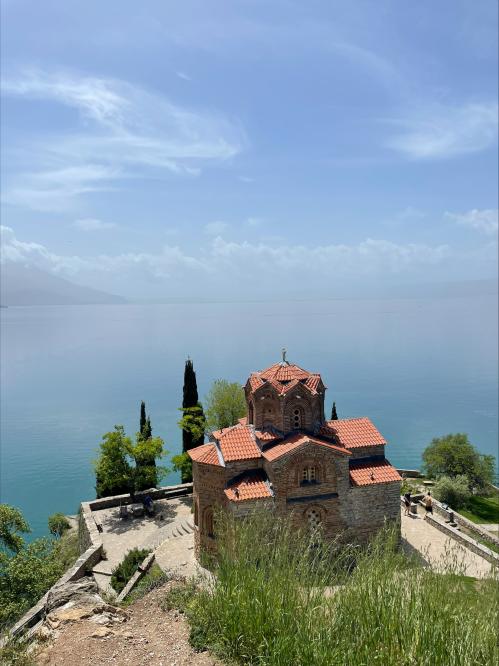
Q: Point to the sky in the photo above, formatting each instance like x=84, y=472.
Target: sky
x=247, y=149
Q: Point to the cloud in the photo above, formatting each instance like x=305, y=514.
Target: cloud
x=92, y=224
x=222, y=260
x=254, y=221
x=121, y=131
x=485, y=221
x=182, y=75
x=443, y=132
x=246, y=179
x=215, y=228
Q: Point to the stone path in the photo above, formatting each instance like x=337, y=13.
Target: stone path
x=438, y=549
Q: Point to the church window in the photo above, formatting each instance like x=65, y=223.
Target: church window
x=297, y=419
x=309, y=475
x=314, y=519
x=208, y=522
x=196, y=514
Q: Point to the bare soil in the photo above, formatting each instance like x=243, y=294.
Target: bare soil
x=149, y=635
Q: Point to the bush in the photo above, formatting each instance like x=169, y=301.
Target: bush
x=58, y=524
x=454, y=455
x=454, y=492
x=125, y=570
x=275, y=600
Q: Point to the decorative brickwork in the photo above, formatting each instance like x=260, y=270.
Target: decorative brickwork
x=287, y=456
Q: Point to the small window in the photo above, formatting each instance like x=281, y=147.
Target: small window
x=196, y=514
x=309, y=475
x=297, y=419
x=208, y=522
x=314, y=519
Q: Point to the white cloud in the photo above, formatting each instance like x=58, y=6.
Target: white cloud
x=123, y=131
x=183, y=75
x=442, y=132
x=485, y=221
x=254, y=221
x=246, y=179
x=215, y=228
x=92, y=224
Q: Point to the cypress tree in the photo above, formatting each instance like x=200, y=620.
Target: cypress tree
x=191, y=407
x=334, y=415
x=147, y=430
x=142, y=423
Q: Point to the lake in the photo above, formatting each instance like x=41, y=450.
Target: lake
x=418, y=368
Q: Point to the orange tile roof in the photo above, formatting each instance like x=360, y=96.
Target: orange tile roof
x=295, y=441
x=267, y=435
x=353, y=433
x=249, y=487
x=369, y=473
x=284, y=372
x=237, y=443
x=206, y=453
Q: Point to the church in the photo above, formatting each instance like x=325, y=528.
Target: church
x=286, y=455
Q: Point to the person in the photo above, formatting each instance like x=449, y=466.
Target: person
x=407, y=502
x=149, y=504
x=428, y=503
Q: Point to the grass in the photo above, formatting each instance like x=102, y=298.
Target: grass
x=153, y=579
x=281, y=597
x=482, y=509
x=17, y=652
x=127, y=567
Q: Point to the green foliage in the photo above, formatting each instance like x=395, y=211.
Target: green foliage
x=193, y=419
x=17, y=652
x=334, y=415
x=125, y=466
x=482, y=509
x=225, y=404
x=125, y=570
x=28, y=572
x=453, y=491
x=58, y=524
x=11, y=522
x=25, y=577
x=182, y=463
x=142, y=421
x=153, y=579
x=454, y=455
x=274, y=602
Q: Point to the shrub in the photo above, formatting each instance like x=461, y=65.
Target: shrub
x=454, y=492
x=125, y=570
x=280, y=597
x=58, y=524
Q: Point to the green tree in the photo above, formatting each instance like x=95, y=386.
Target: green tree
x=12, y=522
x=182, y=463
x=113, y=470
x=453, y=491
x=147, y=429
x=193, y=420
x=334, y=415
x=58, y=524
x=225, y=404
x=144, y=472
x=142, y=422
x=454, y=455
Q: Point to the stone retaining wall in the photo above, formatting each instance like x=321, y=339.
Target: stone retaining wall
x=465, y=522
x=154, y=493
x=142, y=569
x=79, y=569
x=464, y=539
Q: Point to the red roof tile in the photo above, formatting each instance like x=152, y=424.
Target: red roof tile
x=266, y=435
x=353, y=433
x=249, y=487
x=284, y=372
x=237, y=443
x=283, y=377
x=294, y=441
x=206, y=453
x=369, y=473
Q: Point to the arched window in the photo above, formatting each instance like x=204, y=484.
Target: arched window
x=296, y=420
x=309, y=474
x=208, y=522
x=314, y=518
x=196, y=513
x=250, y=413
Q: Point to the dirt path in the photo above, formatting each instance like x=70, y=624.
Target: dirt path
x=150, y=636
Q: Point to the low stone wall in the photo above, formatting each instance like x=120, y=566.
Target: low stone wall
x=164, y=492
x=79, y=569
x=410, y=473
x=464, y=539
x=142, y=569
x=465, y=522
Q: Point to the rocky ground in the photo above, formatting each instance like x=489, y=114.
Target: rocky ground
x=86, y=631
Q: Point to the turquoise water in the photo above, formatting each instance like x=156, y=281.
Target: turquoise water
x=418, y=368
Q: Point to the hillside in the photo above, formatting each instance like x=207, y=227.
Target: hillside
x=26, y=285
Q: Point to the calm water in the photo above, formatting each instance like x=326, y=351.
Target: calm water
x=418, y=368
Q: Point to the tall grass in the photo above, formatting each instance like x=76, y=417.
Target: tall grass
x=281, y=597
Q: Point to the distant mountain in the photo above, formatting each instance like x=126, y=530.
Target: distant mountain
x=26, y=285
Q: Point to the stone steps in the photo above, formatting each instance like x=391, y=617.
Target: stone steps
x=178, y=529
